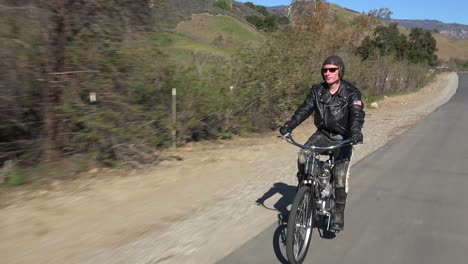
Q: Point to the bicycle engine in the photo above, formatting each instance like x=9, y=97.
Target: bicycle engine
x=324, y=179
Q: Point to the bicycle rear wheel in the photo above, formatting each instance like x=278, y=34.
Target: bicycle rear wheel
x=300, y=223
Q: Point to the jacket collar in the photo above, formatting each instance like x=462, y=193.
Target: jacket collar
x=325, y=92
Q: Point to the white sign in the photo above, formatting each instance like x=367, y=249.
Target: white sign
x=92, y=97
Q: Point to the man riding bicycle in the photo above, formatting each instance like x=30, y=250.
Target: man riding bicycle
x=338, y=114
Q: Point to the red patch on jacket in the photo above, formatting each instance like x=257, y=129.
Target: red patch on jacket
x=358, y=102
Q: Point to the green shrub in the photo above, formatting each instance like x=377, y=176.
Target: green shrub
x=223, y=4
x=80, y=167
x=257, y=21
x=261, y=9
x=17, y=177
x=268, y=24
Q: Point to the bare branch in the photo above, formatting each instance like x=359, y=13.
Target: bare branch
x=70, y=72
x=4, y=7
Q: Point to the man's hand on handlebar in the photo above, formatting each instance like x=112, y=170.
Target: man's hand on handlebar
x=285, y=129
x=259, y=201
x=357, y=137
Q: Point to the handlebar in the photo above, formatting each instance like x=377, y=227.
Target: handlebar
x=291, y=140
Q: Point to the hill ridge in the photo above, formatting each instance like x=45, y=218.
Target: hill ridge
x=451, y=30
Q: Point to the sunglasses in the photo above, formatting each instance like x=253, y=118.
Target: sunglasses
x=324, y=70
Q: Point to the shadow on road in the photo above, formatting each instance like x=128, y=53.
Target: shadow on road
x=287, y=193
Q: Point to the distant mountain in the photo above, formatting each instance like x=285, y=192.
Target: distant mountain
x=281, y=10
x=451, y=30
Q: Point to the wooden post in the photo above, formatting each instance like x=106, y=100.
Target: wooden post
x=174, y=119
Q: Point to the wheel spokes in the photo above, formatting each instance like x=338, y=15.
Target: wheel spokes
x=301, y=226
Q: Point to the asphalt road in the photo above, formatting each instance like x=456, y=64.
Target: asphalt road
x=408, y=201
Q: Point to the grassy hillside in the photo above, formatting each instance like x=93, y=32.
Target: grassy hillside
x=181, y=46
x=217, y=30
x=222, y=35
x=209, y=36
x=168, y=13
x=344, y=13
x=451, y=48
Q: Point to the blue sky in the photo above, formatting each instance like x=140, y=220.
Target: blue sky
x=447, y=11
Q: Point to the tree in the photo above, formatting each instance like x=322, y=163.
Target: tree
x=423, y=47
x=283, y=20
x=383, y=13
x=387, y=41
x=250, y=4
x=223, y=4
x=311, y=16
x=261, y=9
x=267, y=24
x=271, y=23
x=367, y=48
x=67, y=48
x=257, y=21
x=80, y=29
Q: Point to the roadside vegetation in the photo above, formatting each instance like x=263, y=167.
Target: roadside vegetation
x=265, y=22
x=95, y=78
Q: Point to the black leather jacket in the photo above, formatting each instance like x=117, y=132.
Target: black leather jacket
x=335, y=115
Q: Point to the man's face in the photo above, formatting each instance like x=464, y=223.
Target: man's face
x=331, y=73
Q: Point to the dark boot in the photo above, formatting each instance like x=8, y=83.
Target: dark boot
x=300, y=171
x=340, y=203
x=300, y=176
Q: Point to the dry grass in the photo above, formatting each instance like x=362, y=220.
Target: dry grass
x=219, y=30
x=451, y=48
x=447, y=48
x=344, y=13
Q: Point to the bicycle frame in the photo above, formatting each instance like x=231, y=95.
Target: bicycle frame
x=314, y=197
x=312, y=178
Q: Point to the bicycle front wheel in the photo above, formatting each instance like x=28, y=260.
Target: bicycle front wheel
x=300, y=223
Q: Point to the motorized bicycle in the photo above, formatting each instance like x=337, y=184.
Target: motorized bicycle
x=314, y=201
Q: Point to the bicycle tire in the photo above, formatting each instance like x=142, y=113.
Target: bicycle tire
x=300, y=225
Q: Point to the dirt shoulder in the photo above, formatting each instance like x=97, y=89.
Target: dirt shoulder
x=192, y=211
